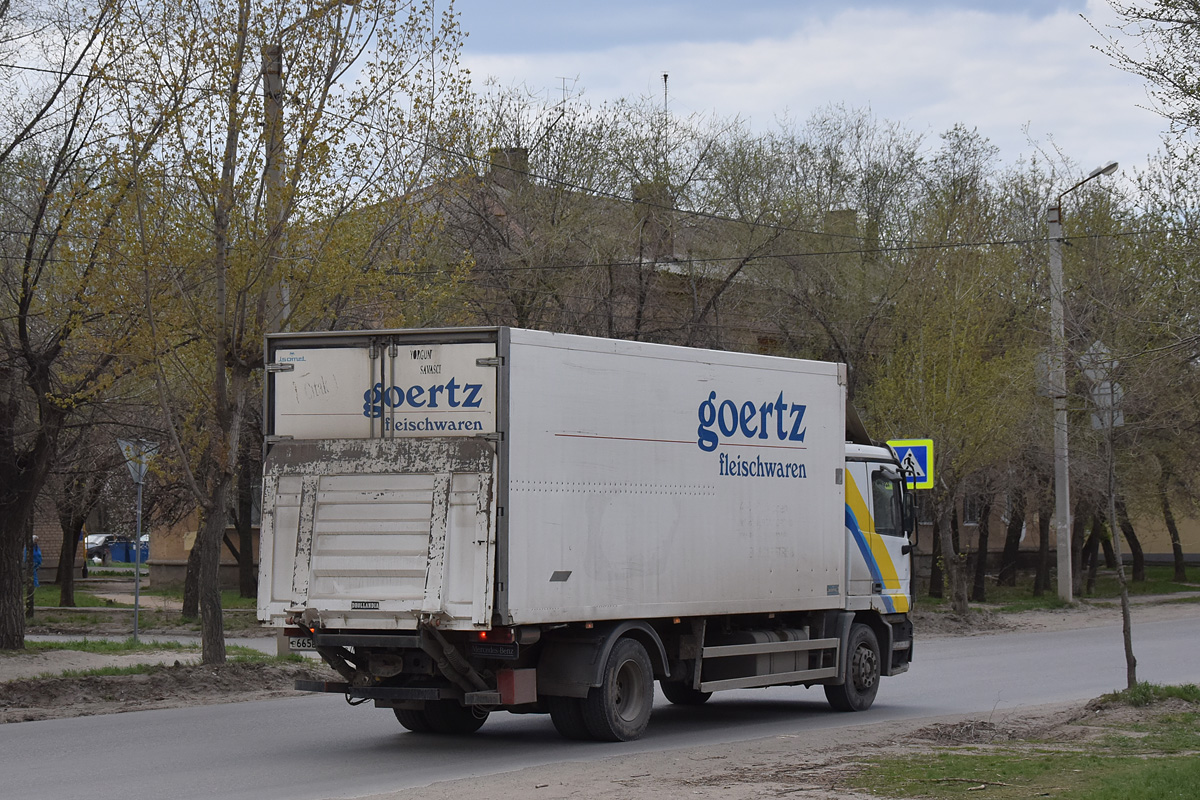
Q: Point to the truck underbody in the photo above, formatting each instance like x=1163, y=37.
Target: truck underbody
x=596, y=679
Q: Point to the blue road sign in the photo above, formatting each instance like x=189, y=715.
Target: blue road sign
x=916, y=458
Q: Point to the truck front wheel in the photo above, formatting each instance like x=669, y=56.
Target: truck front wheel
x=862, y=672
x=618, y=710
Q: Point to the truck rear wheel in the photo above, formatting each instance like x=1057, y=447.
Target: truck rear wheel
x=618, y=710
x=414, y=721
x=681, y=694
x=447, y=716
x=567, y=715
x=862, y=672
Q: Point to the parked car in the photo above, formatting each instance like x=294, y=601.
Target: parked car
x=97, y=545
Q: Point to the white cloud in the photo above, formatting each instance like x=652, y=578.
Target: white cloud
x=928, y=69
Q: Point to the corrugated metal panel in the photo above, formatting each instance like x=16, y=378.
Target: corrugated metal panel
x=380, y=533
x=371, y=537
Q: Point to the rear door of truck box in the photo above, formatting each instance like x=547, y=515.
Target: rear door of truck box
x=379, y=480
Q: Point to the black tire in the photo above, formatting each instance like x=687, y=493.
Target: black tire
x=567, y=715
x=681, y=694
x=862, y=672
x=618, y=710
x=414, y=721
x=448, y=717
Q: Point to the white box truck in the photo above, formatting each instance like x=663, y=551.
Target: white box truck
x=469, y=520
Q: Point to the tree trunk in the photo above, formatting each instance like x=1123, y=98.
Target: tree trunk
x=952, y=562
x=71, y=522
x=208, y=543
x=1106, y=544
x=17, y=502
x=955, y=544
x=247, y=583
x=1091, y=554
x=1135, y=546
x=1041, y=580
x=65, y=576
x=78, y=495
x=1012, y=540
x=22, y=476
x=191, y=581
x=937, y=581
x=1083, y=513
x=1172, y=528
x=978, y=589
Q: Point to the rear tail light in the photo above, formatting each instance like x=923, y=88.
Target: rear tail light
x=496, y=635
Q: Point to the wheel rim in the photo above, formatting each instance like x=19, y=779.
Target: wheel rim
x=630, y=691
x=866, y=667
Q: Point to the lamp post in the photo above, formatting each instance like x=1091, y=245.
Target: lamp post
x=1058, y=388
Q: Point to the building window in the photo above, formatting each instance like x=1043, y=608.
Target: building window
x=972, y=509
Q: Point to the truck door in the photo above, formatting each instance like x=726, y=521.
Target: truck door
x=379, y=485
x=880, y=561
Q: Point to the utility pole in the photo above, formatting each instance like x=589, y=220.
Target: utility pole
x=272, y=73
x=1058, y=388
x=273, y=181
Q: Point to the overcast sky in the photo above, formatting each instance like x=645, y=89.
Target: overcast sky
x=1002, y=67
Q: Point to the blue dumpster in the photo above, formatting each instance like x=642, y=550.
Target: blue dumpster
x=124, y=552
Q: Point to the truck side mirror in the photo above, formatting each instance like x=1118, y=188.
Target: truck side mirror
x=910, y=517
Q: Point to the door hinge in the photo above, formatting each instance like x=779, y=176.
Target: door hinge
x=494, y=361
x=281, y=367
x=491, y=437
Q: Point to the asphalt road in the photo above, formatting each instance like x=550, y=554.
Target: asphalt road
x=315, y=748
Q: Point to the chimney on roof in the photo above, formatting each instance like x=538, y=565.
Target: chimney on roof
x=508, y=166
x=842, y=222
x=652, y=205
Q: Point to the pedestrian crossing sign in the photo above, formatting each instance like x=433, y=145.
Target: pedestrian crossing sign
x=916, y=459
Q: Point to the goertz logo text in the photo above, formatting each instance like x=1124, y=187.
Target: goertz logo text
x=778, y=419
x=452, y=393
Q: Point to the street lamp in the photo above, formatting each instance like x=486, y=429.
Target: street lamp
x=1058, y=388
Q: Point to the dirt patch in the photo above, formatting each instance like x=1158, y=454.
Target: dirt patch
x=170, y=683
x=813, y=764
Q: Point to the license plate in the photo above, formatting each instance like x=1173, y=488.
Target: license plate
x=300, y=643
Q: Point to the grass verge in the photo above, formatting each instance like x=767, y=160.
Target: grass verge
x=1140, y=744
x=1160, y=580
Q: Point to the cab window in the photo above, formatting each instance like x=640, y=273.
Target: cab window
x=885, y=498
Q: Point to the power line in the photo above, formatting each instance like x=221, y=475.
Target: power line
x=243, y=248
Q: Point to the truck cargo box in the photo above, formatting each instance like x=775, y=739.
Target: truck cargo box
x=504, y=476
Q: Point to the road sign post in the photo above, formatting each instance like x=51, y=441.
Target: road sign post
x=137, y=457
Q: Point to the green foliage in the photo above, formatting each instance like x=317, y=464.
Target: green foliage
x=1144, y=694
x=230, y=598
x=1150, y=757
x=1019, y=598
x=1019, y=774
x=47, y=596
